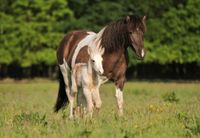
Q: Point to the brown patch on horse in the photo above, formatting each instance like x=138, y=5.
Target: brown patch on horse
x=64, y=47
x=82, y=56
x=68, y=45
x=115, y=65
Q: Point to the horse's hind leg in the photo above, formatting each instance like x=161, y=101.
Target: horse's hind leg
x=66, y=75
x=74, y=88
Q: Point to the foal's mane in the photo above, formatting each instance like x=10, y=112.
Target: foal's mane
x=116, y=35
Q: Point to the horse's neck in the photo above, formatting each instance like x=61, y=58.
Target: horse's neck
x=91, y=72
x=89, y=67
x=113, y=38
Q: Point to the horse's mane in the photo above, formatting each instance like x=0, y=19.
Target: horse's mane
x=116, y=35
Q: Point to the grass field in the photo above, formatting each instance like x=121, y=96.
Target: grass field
x=151, y=110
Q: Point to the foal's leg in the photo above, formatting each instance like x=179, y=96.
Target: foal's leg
x=81, y=102
x=119, y=84
x=66, y=75
x=88, y=97
x=71, y=101
x=96, y=98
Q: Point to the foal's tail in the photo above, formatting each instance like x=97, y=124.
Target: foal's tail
x=62, y=99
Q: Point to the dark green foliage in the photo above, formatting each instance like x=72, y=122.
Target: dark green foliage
x=194, y=129
x=183, y=117
x=31, y=30
x=191, y=124
x=170, y=97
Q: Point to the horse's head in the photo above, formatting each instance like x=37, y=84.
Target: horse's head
x=136, y=29
x=95, y=52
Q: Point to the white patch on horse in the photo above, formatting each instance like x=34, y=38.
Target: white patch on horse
x=91, y=33
x=84, y=42
x=119, y=98
x=142, y=53
x=65, y=72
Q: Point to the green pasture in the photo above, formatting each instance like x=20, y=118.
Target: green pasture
x=151, y=110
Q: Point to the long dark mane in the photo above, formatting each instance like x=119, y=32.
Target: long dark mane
x=116, y=34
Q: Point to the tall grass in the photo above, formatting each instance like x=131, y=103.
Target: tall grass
x=26, y=110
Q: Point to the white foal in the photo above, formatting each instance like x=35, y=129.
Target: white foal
x=86, y=79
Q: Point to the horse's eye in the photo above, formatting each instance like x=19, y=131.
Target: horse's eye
x=93, y=61
x=130, y=32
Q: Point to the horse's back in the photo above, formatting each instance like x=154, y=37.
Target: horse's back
x=68, y=45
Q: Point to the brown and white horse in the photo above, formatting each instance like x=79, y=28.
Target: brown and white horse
x=115, y=38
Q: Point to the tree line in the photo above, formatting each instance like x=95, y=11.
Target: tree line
x=32, y=29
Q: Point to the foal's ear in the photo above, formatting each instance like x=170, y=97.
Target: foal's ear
x=102, y=51
x=89, y=50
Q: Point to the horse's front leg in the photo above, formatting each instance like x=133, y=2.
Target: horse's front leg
x=88, y=97
x=96, y=98
x=119, y=84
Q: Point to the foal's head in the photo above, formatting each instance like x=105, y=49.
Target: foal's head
x=136, y=29
x=95, y=52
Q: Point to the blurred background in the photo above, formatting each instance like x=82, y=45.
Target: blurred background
x=32, y=29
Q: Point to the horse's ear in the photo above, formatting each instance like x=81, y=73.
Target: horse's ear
x=144, y=19
x=127, y=19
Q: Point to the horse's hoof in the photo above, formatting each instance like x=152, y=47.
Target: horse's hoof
x=97, y=110
x=71, y=117
x=120, y=113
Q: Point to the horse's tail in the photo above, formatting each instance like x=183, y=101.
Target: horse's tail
x=62, y=98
